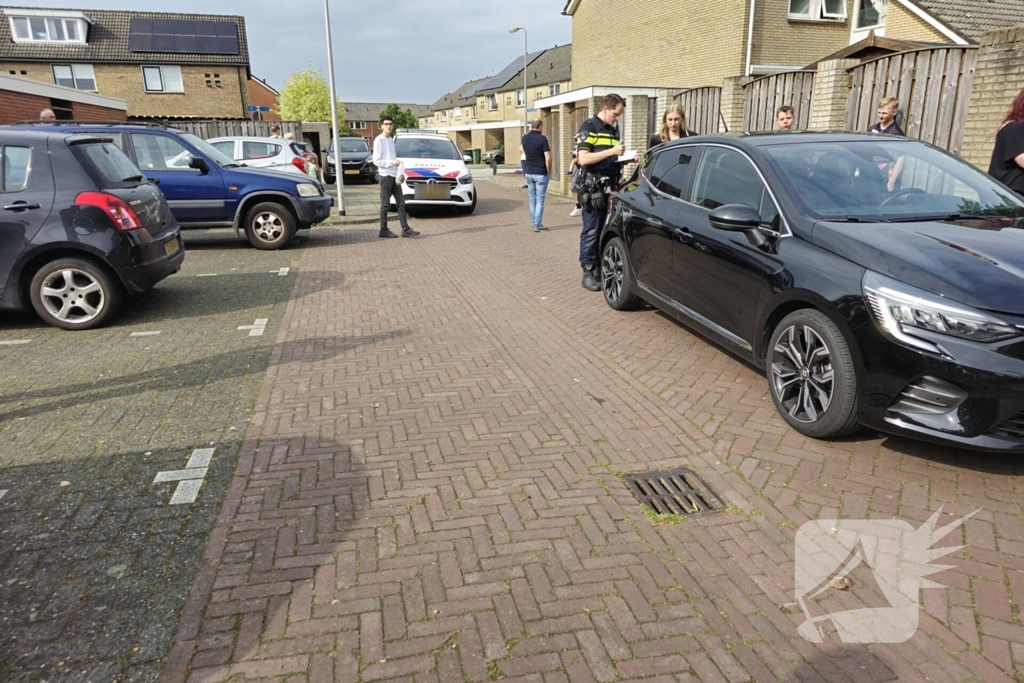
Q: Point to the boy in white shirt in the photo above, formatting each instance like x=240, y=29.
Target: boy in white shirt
x=391, y=179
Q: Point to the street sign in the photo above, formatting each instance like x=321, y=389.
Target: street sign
x=531, y=110
x=264, y=107
x=252, y=107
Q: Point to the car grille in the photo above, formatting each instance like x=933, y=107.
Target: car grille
x=452, y=183
x=1012, y=429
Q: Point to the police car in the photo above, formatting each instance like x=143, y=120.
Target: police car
x=435, y=172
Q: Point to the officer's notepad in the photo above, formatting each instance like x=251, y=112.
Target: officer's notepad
x=627, y=156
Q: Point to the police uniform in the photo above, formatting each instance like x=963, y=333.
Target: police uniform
x=596, y=136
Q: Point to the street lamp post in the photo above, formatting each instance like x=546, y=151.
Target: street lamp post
x=334, y=112
x=526, y=99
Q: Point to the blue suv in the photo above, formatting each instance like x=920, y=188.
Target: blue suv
x=207, y=189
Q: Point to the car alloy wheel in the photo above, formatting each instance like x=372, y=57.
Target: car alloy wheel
x=802, y=374
x=616, y=279
x=74, y=294
x=267, y=226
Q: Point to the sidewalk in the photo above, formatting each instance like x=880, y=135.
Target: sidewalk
x=430, y=490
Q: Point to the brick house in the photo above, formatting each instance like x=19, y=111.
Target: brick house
x=261, y=94
x=163, y=65
x=21, y=99
x=363, y=118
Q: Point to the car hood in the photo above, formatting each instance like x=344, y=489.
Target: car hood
x=976, y=262
x=264, y=172
x=433, y=168
x=351, y=156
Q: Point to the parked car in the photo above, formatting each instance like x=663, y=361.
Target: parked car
x=80, y=228
x=467, y=156
x=498, y=153
x=269, y=153
x=902, y=310
x=206, y=188
x=435, y=174
x=356, y=161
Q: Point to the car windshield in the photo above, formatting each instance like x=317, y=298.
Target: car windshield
x=351, y=145
x=425, y=148
x=851, y=181
x=210, y=151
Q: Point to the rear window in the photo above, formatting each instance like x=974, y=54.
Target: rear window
x=16, y=162
x=108, y=165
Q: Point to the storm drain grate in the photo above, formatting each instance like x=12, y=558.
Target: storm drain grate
x=675, y=492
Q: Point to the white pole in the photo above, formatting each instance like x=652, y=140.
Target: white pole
x=338, y=170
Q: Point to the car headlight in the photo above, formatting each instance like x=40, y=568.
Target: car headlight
x=308, y=190
x=465, y=179
x=903, y=312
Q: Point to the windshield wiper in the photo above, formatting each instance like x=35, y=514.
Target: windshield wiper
x=133, y=178
x=943, y=217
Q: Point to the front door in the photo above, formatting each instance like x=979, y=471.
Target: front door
x=26, y=199
x=194, y=197
x=720, y=274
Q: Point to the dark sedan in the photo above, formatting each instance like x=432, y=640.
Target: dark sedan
x=356, y=161
x=80, y=227
x=877, y=280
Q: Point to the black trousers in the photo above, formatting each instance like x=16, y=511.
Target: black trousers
x=389, y=188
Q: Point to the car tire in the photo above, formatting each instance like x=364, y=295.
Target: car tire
x=75, y=294
x=616, y=277
x=329, y=179
x=499, y=160
x=466, y=210
x=269, y=225
x=811, y=376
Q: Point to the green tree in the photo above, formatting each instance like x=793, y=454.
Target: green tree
x=306, y=97
x=404, y=118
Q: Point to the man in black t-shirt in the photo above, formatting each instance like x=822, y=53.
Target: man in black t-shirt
x=597, y=149
x=537, y=170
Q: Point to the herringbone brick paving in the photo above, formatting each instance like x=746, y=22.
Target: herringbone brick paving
x=430, y=490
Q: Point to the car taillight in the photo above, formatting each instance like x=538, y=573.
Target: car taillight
x=124, y=218
x=299, y=163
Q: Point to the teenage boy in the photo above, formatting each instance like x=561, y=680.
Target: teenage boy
x=784, y=117
x=887, y=125
x=391, y=179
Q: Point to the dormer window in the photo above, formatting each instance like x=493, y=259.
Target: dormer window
x=48, y=26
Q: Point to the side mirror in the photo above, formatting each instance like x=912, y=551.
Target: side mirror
x=738, y=218
x=199, y=164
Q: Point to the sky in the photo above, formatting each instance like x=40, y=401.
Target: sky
x=416, y=53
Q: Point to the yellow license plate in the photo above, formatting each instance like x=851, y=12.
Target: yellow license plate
x=352, y=172
x=171, y=246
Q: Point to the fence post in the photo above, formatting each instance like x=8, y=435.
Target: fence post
x=831, y=94
x=997, y=80
x=731, y=106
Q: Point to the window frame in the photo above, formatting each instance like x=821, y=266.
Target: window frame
x=882, y=16
x=3, y=168
x=74, y=77
x=80, y=29
x=169, y=169
x=492, y=101
x=520, y=99
x=554, y=89
x=163, y=79
x=648, y=169
x=784, y=231
x=817, y=10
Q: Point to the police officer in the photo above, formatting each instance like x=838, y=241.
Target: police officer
x=598, y=149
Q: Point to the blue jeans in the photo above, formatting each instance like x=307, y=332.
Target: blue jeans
x=537, y=189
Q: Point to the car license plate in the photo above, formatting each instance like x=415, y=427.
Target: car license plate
x=352, y=172
x=436, y=192
x=171, y=246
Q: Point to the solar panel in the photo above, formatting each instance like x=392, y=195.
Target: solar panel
x=514, y=67
x=183, y=36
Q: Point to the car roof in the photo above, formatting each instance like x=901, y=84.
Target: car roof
x=414, y=134
x=250, y=138
x=34, y=135
x=770, y=138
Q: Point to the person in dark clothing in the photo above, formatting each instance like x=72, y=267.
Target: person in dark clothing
x=597, y=149
x=673, y=126
x=1007, y=164
x=537, y=171
x=887, y=110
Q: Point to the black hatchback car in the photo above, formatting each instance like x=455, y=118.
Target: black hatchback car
x=79, y=228
x=877, y=280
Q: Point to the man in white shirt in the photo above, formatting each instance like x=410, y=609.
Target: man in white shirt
x=391, y=179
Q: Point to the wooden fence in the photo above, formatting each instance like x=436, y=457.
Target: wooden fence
x=763, y=96
x=702, y=107
x=933, y=86
x=235, y=127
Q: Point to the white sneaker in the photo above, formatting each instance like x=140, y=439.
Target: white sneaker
x=576, y=211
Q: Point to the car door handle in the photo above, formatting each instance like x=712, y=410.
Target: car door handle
x=20, y=206
x=683, y=234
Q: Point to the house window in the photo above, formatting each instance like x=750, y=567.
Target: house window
x=458, y=113
x=444, y=115
x=554, y=89
x=358, y=125
x=520, y=97
x=77, y=76
x=45, y=29
x=870, y=14
x=817, y=10
x=492, y=102
x=162, y=79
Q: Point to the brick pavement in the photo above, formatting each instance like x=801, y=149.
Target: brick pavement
x=430, y=490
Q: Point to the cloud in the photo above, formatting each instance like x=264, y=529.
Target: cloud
x=412, y=52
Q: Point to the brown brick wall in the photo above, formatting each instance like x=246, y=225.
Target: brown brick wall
x=998, y=78
x=902, y=24
x=15, y=106
x=779, y=41
x=124, y=81
x=259, y=95
x=90, y=112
